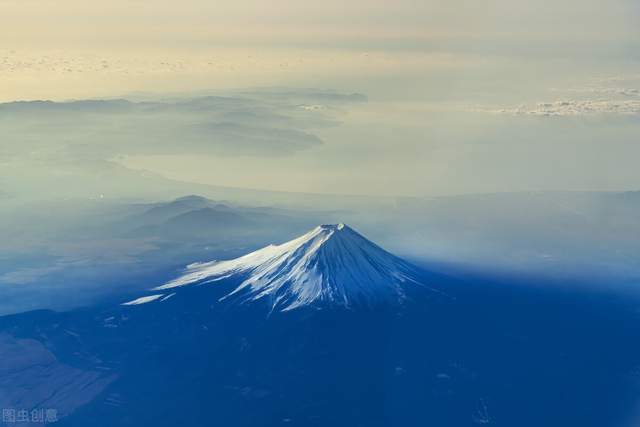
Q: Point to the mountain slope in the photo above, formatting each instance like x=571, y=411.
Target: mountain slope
x=331, y=264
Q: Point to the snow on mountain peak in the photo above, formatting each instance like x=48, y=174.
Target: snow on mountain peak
x=335, y=227
x=331, y=264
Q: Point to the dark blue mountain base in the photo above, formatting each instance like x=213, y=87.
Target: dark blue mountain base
x=491, y=356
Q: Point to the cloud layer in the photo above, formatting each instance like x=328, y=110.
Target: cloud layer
x=611, y=96
x=571, y=108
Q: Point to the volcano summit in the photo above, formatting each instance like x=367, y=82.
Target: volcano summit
x=329, y=265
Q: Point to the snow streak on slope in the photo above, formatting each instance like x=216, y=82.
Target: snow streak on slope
x=330, y=264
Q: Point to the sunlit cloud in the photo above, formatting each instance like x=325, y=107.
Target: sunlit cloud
x=563, y=108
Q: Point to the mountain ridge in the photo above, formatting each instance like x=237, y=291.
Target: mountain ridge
x=331, y=265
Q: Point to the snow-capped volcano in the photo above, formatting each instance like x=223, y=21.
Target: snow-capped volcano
x=330, y=264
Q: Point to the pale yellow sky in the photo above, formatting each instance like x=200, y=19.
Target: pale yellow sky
x=69, y=48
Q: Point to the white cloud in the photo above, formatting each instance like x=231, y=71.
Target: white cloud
x=561, y=108
x=610, y=91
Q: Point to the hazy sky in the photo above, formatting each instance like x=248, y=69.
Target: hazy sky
x=463, y=96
